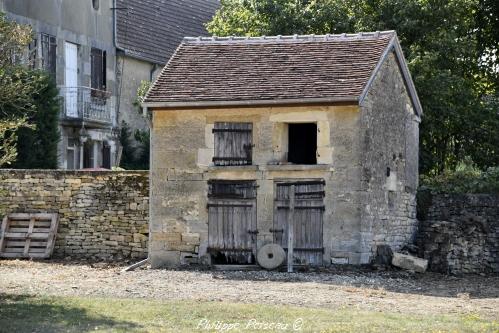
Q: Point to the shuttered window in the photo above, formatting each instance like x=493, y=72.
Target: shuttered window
x=98, y=64
x=233, y=143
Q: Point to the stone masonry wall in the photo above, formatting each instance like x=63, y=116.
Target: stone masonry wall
x=459, y=233
x=389, y=161
x=103, y=215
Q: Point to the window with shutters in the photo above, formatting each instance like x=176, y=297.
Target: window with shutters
x=48, y=53
x=233, y=143
x=98, y=70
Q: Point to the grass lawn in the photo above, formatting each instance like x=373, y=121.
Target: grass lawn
x=85, y=314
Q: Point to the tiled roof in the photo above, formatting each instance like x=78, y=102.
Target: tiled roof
x=152, y=29
x=278, y=68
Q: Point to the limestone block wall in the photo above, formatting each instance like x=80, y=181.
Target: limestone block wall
x=459, y=233
x=182, y=152
x=390, y=131
x=103, y=215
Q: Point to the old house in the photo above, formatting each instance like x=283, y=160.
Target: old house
x=239, y=123
x=99, y=51
x=146, y=35
x=73, y=41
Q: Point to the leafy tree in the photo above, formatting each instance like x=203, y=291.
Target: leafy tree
x=451, y=47
x=134, y=156
x=18, y=86
x=37, y=147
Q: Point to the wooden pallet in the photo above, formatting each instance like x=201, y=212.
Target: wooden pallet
x=28, y=235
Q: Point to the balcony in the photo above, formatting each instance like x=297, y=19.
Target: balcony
x=84, y=104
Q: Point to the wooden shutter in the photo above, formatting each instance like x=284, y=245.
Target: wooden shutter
x=232, y=221
x=28, y=235
x=308, y=220
x=97, y=76
x=49, y=53
x=233, y=143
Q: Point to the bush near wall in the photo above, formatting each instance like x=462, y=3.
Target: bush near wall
x=103, y=215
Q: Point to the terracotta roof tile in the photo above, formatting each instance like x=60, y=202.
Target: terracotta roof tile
x=270, y=68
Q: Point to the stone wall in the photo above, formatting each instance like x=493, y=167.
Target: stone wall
x=459, y=233
x=103, y=215
x=390, y=136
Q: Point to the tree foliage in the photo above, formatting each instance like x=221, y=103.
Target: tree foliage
x=18, y=86
x=37, y=147
x=134, y=155
x=451, y=47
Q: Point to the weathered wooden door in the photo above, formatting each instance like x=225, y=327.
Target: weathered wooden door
x=232, y=222
x=308, y=220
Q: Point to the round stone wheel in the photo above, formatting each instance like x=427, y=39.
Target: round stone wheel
x=271, y=256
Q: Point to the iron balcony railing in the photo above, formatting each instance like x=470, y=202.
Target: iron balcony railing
x=87, y=104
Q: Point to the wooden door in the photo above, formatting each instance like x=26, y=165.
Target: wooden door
x=308, y=220
x=232, y=222
x=71, y=79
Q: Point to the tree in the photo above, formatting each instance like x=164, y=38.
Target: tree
x=18, y=86
x=451, y=47
x=37, y=147
x=134, y=156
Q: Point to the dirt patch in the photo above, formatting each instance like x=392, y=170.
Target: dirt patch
x=334, y=288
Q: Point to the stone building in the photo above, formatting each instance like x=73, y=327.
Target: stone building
x=73, y=40
x=99, y=51
x=244, y=128
x=147, y=33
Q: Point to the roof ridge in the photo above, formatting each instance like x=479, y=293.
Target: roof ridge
x=283, y=38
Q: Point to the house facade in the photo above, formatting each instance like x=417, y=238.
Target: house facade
x=252, y=135
x=73, y=41
x=99, y=52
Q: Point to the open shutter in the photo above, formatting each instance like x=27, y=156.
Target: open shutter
x=233, y=143
x=96, y=64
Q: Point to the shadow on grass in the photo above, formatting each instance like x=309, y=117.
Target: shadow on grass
x=23, y=313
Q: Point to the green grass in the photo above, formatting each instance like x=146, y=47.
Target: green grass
x=84, y=314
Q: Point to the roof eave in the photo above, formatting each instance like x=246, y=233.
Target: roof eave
x=270, y=102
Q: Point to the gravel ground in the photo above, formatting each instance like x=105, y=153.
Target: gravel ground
x=394, y=291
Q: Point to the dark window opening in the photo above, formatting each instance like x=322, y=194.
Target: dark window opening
x=88, y=155
x=302, y=144
x=233, y=143
x=106, y=156
x=49, y=53
x=98, y=70
x=95, y=4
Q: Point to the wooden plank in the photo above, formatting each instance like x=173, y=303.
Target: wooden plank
x=16, y=243
x=52, y=235
x=291, y=227
x=5, y=224
x=37, y=235
x=30, y=231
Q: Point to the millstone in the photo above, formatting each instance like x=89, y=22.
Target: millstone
x=271, y=256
